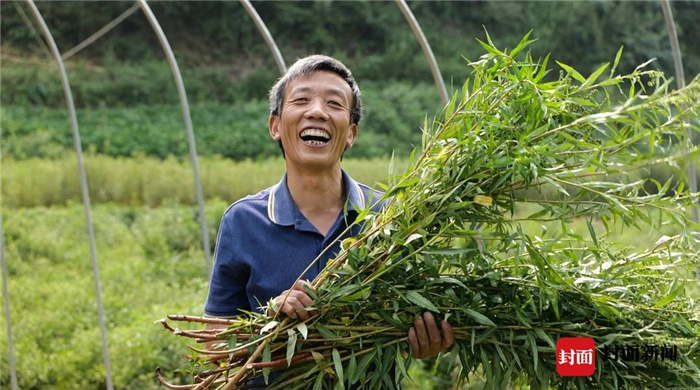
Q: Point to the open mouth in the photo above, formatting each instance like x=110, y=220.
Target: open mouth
x=315, y=137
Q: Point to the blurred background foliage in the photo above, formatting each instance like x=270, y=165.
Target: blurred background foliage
x=128, y=101
x=137, y=156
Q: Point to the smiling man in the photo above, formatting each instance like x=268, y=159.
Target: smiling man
x=267, y=240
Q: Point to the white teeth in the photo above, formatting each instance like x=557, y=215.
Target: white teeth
x=314, y=142
x=316, y=133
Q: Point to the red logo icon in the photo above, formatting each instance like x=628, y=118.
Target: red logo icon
x=575, y=356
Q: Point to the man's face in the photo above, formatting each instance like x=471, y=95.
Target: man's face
x=314, y=125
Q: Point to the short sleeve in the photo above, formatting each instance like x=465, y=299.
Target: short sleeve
x=227, y=287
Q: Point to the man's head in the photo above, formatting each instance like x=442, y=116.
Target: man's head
x=304, y=67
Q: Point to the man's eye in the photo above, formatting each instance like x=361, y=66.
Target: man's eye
x=334, y=102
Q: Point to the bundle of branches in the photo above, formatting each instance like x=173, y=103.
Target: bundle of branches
x=452, y=241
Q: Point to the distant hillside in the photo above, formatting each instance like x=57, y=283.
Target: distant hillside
x=371, y=36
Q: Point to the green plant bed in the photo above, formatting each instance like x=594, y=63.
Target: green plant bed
x=150, y=260
x=150, y=181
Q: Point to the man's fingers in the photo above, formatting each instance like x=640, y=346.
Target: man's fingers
x=304, y=299
x=448, y=333
x=294, y=305
x=303, y=313
x=413, y=341
x=301, y=285
x=289, y=310
x=432, y=328
x=421, y=333
x=426, y=338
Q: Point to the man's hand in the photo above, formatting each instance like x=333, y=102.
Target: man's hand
x=425, y=338
x=296, y=303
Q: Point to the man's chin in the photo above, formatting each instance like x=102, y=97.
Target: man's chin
x=319, y=163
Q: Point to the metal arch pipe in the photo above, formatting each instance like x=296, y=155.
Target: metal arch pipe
x=418, y=32
x=266, y=35
x=188, y=124
x=673, y=39
x=31, y=28
x=680, y=82
x=83, y=184
x=104, y=30
x=8, y=321
x=5, y=288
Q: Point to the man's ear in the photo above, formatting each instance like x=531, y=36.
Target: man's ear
x=352, y=135
x=273, y=125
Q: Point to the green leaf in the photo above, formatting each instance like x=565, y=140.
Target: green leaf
x=269, y=326
x=593, y=77
x=478, y=317
x=401, y=364
x=523, y=44
x=617, y=61
x=673, y=291
x=301, y=327
x=533, y=346
x=447, y=279
x=364, y=293
x=352, y=367
x=448, y=251
x=338, y=366
x=609, y=82
x=325, y=332
x=344, y=291
x=363, y=366
x=267, y=357
x=291, y=345
x=233, y=341
x=538, y=214
x=318, y=357
x=318, y=383
x=543, y=69
x=545, y=337
x=572, y=72
x=591, y=231
x=412, y=237
x=489, y=48
x=416, y=298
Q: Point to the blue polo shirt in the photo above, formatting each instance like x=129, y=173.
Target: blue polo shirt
x=265, y=243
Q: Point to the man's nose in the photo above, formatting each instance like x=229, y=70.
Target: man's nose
x=317, y=110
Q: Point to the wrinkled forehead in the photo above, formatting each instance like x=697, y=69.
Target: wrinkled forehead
x=321, y=81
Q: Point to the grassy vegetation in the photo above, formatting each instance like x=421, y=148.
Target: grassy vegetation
x=150, y=181
x=150, y=263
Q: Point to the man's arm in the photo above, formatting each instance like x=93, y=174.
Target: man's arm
x=227, y=286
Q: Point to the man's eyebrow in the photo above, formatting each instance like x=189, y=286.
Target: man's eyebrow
x=300, y=89
x=330, y=91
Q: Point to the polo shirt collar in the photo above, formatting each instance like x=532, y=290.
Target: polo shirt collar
x=282, y=210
